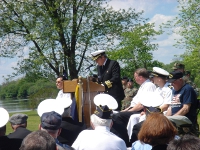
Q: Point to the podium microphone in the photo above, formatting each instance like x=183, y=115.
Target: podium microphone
x=89, y=66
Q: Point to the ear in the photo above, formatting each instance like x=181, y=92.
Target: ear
x=111, y=124
x=92, y=125
x=59, y=131
x=39, y=127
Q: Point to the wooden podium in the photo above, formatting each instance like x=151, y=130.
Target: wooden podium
x=87, y=91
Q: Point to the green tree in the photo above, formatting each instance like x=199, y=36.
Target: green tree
x=59, y=32
x=187, y=25
x=135, y=49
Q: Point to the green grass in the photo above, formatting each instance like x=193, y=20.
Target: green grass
x=33, y=121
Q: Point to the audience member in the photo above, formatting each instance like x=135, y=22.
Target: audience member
x=100, y=137
x=184, y=103
x=38, y=140
x=18, y=123
x=150, y=106
x=186, y=142
x=129, y=92
x=124, y=82
x=141, y=76
x=109, y=75
x=157, y=131
x=162, y=91
x=51, y=123
x=117, y=129
x=70, y=128
x=5, y=142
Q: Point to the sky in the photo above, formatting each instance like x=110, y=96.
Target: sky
x=158, y=11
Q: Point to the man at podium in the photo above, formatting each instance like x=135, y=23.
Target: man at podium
x=109, y=75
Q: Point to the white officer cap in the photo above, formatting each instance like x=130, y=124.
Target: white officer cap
x=151, y=99
x=97, y=54
x=4, y=117
x=159, y=72
x=49, y=105
x=64, y=102
x=105, y=99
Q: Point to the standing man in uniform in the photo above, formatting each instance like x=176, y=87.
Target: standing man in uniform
x=109, y=75
x=129, y=92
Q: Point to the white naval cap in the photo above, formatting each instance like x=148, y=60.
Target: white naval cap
x=97, y=54
x=4, y=117
x=151, y=99
x=159, y=72
x=64, y=102
x=105, y=99
x=49, y=105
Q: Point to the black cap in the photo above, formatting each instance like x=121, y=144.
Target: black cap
x=175, y=75
x=51, y=120
x=130, y=80
x=152, y=110
x=178, y=66
x=124, y=78
x=103, y=112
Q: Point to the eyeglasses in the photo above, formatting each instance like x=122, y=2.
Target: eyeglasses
x=173, y=81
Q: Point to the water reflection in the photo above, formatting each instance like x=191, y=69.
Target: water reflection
x=15, y=105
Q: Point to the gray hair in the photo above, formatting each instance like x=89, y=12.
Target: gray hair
x=96, y=121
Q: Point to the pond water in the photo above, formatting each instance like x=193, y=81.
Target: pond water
x=15, y=105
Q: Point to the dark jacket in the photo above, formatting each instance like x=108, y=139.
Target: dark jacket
x=70, y=130
x=135, y=131
x=9, y=144
x=19, y=133
x=111, y=72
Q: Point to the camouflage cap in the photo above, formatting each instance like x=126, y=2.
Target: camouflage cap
x=178, y=66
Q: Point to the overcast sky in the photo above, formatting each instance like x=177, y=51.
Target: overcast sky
x=158, y=11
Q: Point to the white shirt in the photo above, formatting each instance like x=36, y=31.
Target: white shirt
x=147, y=86
x=166, y=93
x=63, y=95
x=99, y=139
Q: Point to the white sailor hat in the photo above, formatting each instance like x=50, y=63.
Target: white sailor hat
x=65, y=103
x=49, y=105
x=4, y=117
x=159, y=72
x=151, y=99
x=105, y=99
x=97, y=54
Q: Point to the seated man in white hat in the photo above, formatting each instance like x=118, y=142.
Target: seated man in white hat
x=100, y=137
x=109, y=75
x=162, y=91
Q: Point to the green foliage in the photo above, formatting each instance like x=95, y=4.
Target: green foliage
x=40, y=95
x=9, y=90
x=135, y=49
x=24, y=88
x=186, y=24
x=59, y=32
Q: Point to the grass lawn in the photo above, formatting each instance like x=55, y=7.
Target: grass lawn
x=34, y=120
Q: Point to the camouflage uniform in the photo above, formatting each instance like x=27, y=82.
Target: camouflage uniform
x=129, y=94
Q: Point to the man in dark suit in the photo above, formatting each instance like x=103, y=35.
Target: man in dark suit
x=70, y=128
x=5, y=142
x=18, y=123
x=109, y=75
